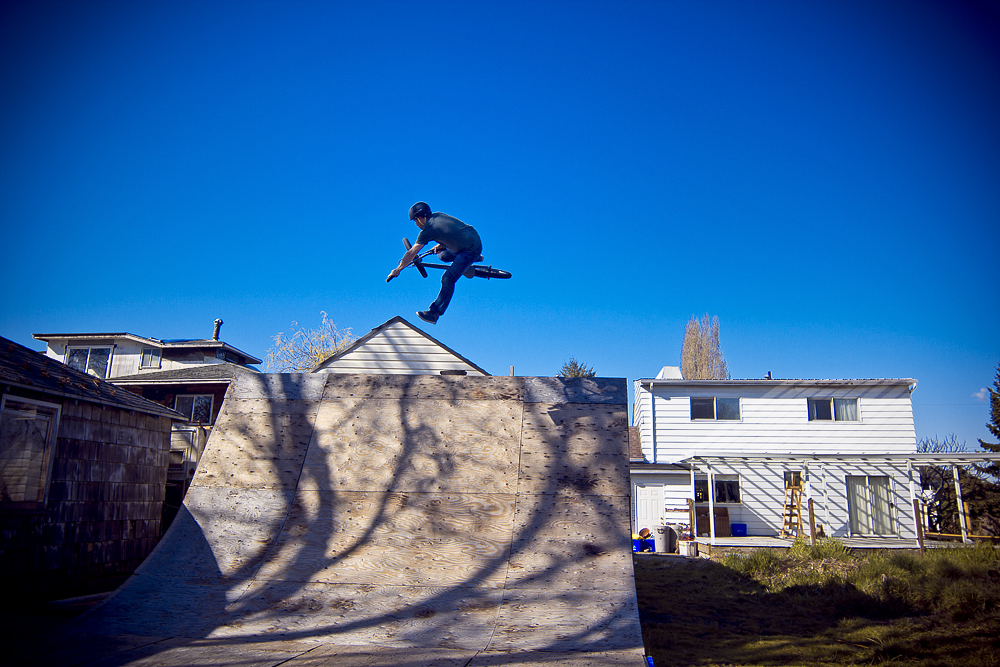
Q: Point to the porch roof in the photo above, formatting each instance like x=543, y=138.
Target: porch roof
x=939, y=458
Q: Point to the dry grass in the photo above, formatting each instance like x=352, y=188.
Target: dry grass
x=822, y=606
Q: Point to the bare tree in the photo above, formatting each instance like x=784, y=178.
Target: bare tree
x=937, y=488
x=304, y=349
x=701, y=354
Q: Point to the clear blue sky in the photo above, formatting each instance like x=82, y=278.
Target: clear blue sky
x=822, y=176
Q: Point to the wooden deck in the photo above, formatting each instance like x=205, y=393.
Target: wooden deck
x=726, y=544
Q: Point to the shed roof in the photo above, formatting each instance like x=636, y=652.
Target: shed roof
x=28, y=369
x=398, y=347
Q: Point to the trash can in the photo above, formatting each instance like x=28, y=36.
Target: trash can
x=689, y=548
x=738, y=529
x=661, y=539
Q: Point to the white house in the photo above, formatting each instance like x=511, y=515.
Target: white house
x=399, y=348
x=850, y=443
x=113, y=355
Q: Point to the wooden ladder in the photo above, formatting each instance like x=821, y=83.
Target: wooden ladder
x=792, y=513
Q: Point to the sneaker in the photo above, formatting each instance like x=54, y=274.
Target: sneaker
x=427, y=316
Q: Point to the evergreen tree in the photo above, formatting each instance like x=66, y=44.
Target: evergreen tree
x=701, y=353
x=994, y=423
x=574, y=369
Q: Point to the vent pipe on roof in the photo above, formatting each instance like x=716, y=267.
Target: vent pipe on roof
x=218, y=326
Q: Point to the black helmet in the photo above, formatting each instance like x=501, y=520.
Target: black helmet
x=420, y=210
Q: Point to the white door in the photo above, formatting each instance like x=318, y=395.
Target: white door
x=869, y=502
x=648, y=506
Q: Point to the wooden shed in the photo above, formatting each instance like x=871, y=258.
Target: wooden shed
x=399, y=348
x=83, y=467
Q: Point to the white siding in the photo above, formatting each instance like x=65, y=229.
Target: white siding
x=774, y=420
x=126, y=355
x=398, y=350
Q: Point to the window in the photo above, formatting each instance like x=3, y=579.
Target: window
x=26, y=432
x=150, y=358
x=196, y=407
x=833, y=409
x=869, y=505
x=226, y=355
x=715, y=408
x=92, y=360
x=727, y=489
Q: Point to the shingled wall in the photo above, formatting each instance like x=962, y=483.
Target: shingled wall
x=102, y=515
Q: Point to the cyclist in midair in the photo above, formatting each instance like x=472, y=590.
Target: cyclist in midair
x=457, y=243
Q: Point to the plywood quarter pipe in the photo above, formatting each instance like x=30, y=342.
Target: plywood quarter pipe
x=374, y=519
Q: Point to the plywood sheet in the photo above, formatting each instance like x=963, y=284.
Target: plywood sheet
x=414, y=445
x=574, y=449
x=398, y=616
x=257, y=444
x=173, y=653
x=575, y=390
x=572, y=543
x=278, y=386
x=437, y=387
x=614, y=658
x=567, y=620
x=380, y=656
x=431, y=539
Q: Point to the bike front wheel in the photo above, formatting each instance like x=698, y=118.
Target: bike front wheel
x=490, y=272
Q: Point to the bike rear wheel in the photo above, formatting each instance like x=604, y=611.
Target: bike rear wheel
x=490, y=272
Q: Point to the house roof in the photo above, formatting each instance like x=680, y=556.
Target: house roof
x=152, y=342
x=775, y=382
x=28, y=369
x=200, y=374
x=401, y=358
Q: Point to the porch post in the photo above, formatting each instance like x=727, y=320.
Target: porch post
x=913, y=503
x=711, y=503
x=694, y=512
x=826, y=500
x=961, y=505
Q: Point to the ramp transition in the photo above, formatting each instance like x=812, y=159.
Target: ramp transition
x=393, y=520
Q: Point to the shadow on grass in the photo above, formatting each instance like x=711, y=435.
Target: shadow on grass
x=700, y=612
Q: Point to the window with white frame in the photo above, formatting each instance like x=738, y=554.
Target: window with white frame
x=150, y=358
x=27, y=430
x=91, y=360
x=196, y=407
x=833, y=409
x=727, y=489
x=715, y=408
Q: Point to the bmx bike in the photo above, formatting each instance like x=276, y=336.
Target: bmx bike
x=474, y=271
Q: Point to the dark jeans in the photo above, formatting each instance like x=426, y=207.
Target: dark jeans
x=460, y=262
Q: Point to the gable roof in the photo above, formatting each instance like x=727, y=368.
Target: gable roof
x=398, y=348
x=201, y=373
x=150, y=342
x=28, y=369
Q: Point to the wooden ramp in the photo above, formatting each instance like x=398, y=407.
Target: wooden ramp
x=396, y=520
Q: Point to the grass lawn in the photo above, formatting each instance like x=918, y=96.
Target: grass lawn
x=822, y=606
